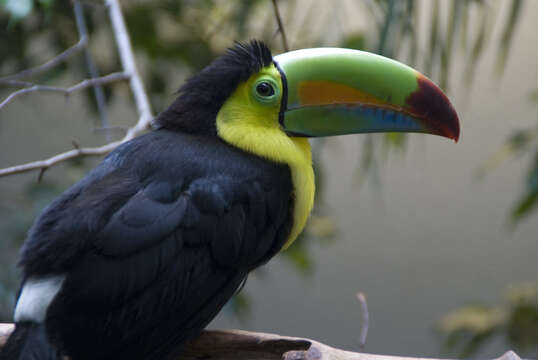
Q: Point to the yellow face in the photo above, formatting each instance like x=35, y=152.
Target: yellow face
x=250, y=115
x=249, y=121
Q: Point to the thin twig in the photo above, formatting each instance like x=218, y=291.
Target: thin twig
x=81, y=44
x=129, y=66
x=280, y=26
x=364, y=319
x=41, y=173
x=95, y=4
x=110, y=129
x=30, y=87
x=47, y=163
x=92, y=68
x=129, y=71
x=16, y=83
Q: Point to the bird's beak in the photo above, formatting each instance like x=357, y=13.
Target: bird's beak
x=330, y=91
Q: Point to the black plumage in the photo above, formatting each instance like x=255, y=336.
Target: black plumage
x=158, y=237
x=207, y=90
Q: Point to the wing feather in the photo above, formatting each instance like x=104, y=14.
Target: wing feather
x=141, y=245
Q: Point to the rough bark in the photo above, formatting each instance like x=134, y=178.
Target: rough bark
x=238, y=345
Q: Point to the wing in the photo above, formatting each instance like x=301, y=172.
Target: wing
x=165, y=249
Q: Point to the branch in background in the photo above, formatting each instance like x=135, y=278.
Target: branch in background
x=95, y=4
x=92, y=68
x=49, y=64
x=365, y=319
x=82, y=44
x=31, y=87
x=520, y=141
x=129, y=72
x=71, y=154
x=73, y=50
x=280, y=26
x=121, y=129
x=239, y=345
x=127, y=59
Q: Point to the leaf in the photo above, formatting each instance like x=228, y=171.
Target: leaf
x=18, y=8
x=529, y=201
x=354, y=41
x=520, y=139
x=433, y=40
x=525, y=206
x=533, y=96
x=367, y=164
x=532, y=177
x=46, y=3
x=447, y=46
x=382, y=49
x=240, y=306
x=467, y=329
x=479, y=44
x=396, y=140
x=522, y=329
x=506, y=39
x=298, y=256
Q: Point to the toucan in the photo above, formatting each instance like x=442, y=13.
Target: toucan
x=140, y=255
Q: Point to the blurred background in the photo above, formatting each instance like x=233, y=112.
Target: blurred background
x=441, y=237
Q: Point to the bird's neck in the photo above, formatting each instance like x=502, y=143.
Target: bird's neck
x=270, y=142
x=304, y=187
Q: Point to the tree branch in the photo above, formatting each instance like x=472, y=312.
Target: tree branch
x=239, y=345
x=365, y=319
x=129, y=72
x=129, y=66
x=92, y=68
x=80, y=45
x=280, y=26
x=31, y=87
x=71, y=154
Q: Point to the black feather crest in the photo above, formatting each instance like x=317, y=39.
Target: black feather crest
x=202, y=95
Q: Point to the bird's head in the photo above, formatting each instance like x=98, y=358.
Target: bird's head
x=264, y=104
x=269, y=106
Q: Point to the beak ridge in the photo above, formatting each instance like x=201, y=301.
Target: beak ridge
x=331, y=91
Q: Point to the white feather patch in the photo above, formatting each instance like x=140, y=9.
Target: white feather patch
x=36, y=296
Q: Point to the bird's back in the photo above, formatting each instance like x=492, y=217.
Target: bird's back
x=153, y=242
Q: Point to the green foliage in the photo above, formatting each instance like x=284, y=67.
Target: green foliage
x=240, y=306
x=522, y=327
x=468, y=328
x=508, y=33
x=298, y=256
x=18, y=8
x=529, y=200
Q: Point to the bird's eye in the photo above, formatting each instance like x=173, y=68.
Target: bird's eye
x=265, y=89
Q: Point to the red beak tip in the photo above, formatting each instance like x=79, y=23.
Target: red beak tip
x=430, y=99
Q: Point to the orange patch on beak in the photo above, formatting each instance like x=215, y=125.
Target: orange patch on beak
x=328, y=93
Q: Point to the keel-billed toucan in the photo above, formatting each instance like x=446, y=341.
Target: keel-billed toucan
x=142, y=253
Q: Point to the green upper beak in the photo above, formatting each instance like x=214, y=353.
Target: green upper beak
x=331, y=91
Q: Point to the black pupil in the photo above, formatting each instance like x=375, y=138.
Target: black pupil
x=265, y=89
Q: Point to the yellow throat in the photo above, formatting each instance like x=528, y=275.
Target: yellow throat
x=253, y=126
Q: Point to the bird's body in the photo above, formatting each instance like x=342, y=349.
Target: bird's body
x=175, y=237
x=141, y=254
